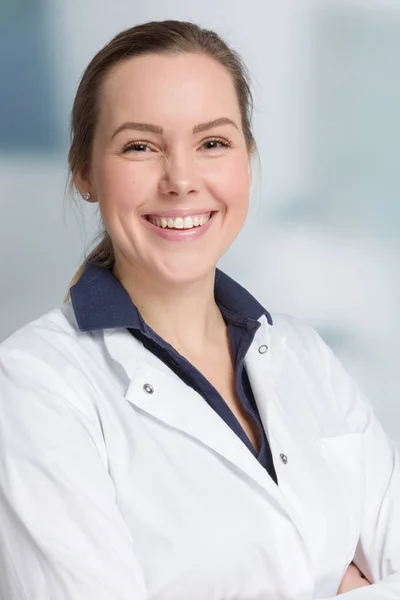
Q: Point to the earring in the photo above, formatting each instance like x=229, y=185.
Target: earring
x=86, y=196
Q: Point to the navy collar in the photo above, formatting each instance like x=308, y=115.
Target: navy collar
x=100, y=301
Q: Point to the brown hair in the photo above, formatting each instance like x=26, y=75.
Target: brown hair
x=157, y=37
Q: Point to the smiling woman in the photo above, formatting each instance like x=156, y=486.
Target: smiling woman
x=162, y=435
x=190, y=56
x=170, y=142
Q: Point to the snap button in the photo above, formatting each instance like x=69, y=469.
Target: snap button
x=148, y=388
x=284, y=458
x=263, y=349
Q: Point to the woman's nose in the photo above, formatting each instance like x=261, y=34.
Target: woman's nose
x=179, y=176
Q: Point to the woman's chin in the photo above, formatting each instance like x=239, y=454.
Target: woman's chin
x=184, y=273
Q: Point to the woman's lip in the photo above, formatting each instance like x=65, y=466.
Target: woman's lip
x=179, y=235
x=178, y=213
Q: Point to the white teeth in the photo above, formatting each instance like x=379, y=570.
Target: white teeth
x=179, y=222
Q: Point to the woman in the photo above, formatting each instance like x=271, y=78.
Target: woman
x=162, y=435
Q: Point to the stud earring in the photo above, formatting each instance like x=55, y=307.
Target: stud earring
x=86, y=196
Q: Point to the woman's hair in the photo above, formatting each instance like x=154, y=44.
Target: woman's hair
x=157, y=37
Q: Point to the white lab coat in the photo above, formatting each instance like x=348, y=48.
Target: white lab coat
x=109, y=492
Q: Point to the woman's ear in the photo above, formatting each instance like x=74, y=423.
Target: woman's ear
x=84, y=185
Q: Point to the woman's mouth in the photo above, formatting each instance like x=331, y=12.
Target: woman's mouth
x=180, y=222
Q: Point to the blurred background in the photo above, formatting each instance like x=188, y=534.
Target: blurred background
x=322, y=238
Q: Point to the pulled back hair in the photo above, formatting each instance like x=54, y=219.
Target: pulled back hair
x=157, y=37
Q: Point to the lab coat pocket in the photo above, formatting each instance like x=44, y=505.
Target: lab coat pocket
x=344, y=463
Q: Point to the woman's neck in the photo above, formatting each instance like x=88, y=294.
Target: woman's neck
x=186, y=316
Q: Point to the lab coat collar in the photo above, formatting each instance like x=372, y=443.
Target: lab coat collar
x=170, y=401
x=181, y=407
x=100, y=301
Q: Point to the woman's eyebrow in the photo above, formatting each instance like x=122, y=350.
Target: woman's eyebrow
x=138, y=127
x=210, y=124
x=159, y=130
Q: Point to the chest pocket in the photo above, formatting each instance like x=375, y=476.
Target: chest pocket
x=343, y=461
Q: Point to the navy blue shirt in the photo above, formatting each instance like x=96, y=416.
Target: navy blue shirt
x=100, y=301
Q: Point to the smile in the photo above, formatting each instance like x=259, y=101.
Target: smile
x=188, y=222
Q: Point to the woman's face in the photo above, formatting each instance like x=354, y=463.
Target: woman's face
x=170, y=167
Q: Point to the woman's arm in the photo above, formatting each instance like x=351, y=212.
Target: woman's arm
x=61, y=534
x=378, y=551
x=352, y=580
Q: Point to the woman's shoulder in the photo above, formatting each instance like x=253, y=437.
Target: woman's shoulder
x=50, y=334
x=297, y=332
x=45, y=377
x=50, y=355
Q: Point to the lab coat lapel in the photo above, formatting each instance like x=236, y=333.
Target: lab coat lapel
x=170, y=400
x=264, y=369
x=288, y=421
x=165, y=397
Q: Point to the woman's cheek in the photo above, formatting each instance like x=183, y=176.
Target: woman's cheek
x=124, y=188
x=238, y=193
x=239, y=179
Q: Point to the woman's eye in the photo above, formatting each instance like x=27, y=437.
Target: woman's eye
x=137, y=147
x=215, y=144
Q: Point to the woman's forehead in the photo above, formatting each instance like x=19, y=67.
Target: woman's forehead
x=168, y=87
